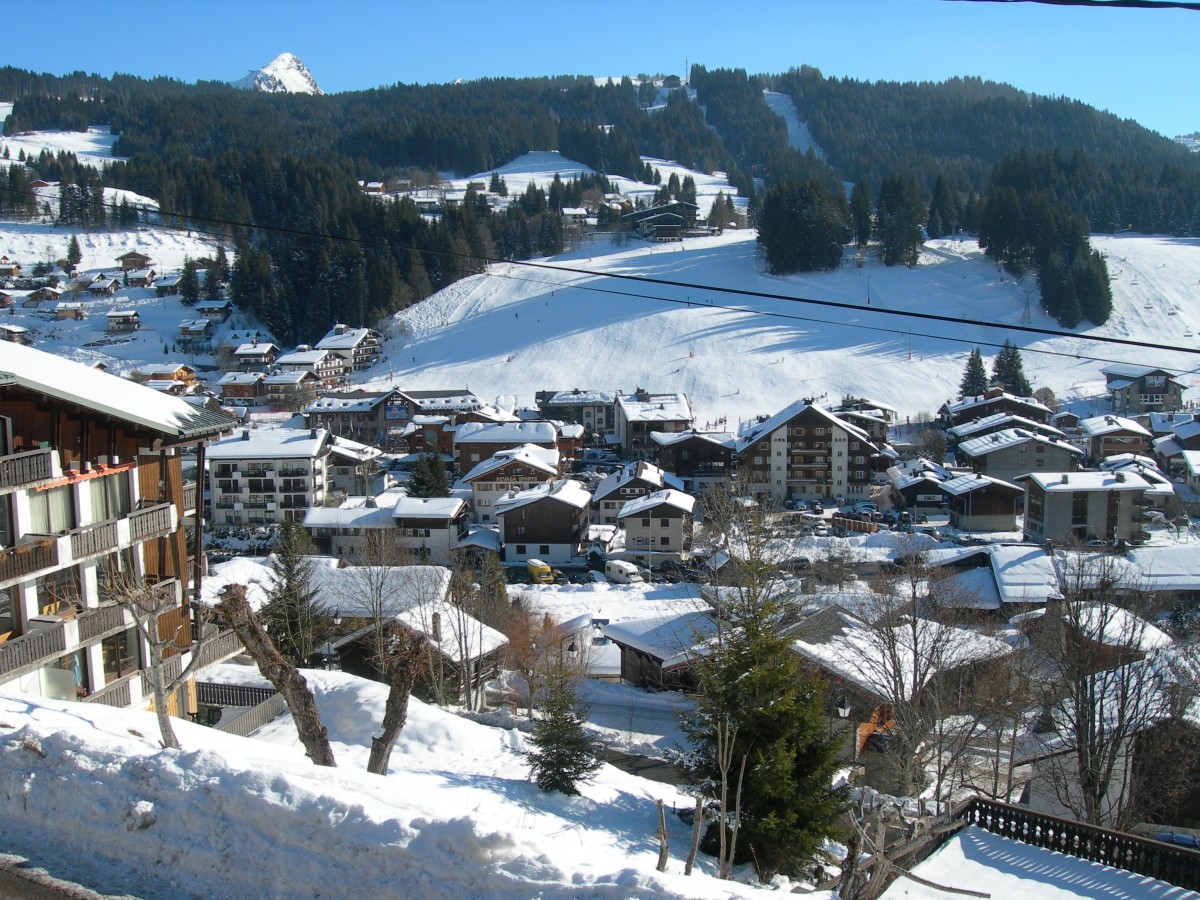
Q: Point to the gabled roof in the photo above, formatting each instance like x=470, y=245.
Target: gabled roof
x=670, y=407
x=290, y=377
x=353, y=450
x=674, y=639
x=685, y=503
x=404, y=507
x=241, y=378
x=578, y=397
x=347, y=339
x=566, y=491
x=756, y=432
x=1009, y=420
x=1021, y=573
x=542, y=459
x=506, y=433
x=301, y=357
x=1101, y=425
x=444, y=400
x=725, y=439
x=638, y=471
x=1067, y=482
x=350, y=401
x=1012, y=437
x=984, y=399
x=966, y=484
x=255, y=349
x=1132, y=372
x=120, y=398
x=272, y=443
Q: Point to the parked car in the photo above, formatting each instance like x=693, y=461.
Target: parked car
x=816, y=507
x=622, y=572
x=796, y=564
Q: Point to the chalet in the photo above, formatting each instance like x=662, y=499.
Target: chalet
x=122, y=321
x=132, y=261
x=103, y=286
x=378, y=417
x=547, y=522
x=1066, y=421
x=594, y=410
x=172, y=371
x=1160, y=424
x=93, y=473
x=15, y=334
x=475, y=442
x=1111, y=435
x=640, y=413
x=1141, y=389
x=1015, y=451
x=28, y=300
x=430, y=434
x=69, y=310
x=994, y=401
x=657, y=653
x=256, y=357
x=980, y=502
x=48, y=293
x=214, y=310
x=658, y=525
x=167, y=386
x=518, y=469
x=353, y=467
x=701, y=460
x=424, y=530
x=242, y=386
x=804, y=452
x=195, y=332
x=1169, y=449
x=9, y=268
x=630, y=482
x=1083, y=506
x=875, y=426
x=290, y=390
x=168, y=286
x=916, y=485
x=327, y=367
x=140, y=278
x=359, y=347
x=662, y=221
x=6, y=299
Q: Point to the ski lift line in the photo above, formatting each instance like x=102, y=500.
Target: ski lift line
x=643, y=279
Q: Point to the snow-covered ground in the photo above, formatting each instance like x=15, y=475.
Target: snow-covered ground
x=92, y=147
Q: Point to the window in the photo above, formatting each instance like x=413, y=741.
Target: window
x=645, y=523
x=859, y=460
x=521, y=549
x=122, y=655
x=664, y=523
x=544, y=549
x=52, y=511
x=110, y=497
x=664, y=540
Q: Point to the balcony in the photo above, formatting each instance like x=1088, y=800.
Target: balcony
x=22, y=561
x=117, y=693
x=189, y=496
x=25, y=653
x=151, y=522
x=93, y=540
x=20, y=469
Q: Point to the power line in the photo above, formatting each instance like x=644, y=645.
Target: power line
x=1100, y=4
x=684, y=285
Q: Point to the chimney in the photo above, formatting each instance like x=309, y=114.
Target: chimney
x=435, y=631
x=339, y=328
x=1120, y=476
x=312, y=432
x=245, y=434
x=1064, y=478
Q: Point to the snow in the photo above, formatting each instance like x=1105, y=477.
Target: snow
x=285, y=74
x=799, y=137
x=92, y=147
x=975, y=860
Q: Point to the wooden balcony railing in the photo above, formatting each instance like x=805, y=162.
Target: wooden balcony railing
x=98, y=623
x=153, y=521
x=189, y=495
x=18, y=469
x=20, y=562
x=117, y=693
x=225, y=645
x=30, y=650
x=93, y=540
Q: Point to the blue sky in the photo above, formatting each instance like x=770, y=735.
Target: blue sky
x=1137, y=64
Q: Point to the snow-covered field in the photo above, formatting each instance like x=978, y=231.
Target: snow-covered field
x=92, y=147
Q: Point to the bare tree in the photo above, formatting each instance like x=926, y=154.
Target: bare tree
x=162, y=626
x=1113, y=678
x=281, y=673
x=407, y=656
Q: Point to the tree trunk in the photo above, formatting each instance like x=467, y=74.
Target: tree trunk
x=663, y=849
x=286, y=677
x=156, y=678
x=697, y=824
x=401, y=669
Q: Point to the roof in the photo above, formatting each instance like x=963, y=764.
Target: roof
x=724, y=439
x=439, y=508
x=122, y=313
x=642, y=471
x=348, y=339
x=272, y=443
x=758, y=431
x=1131, y=371
x=349, y=401
x=565, y=490
x=655, y=407
x=1174, y=567
x=675, y=499
x=962, y=485
x=255, y=349
x=542, y=459
x=506, y=433
x=1066, y=482
x=674, y=639
x=577, y=397
x=1021, y=573
x=290, y=377
x=1100, y=425
x=120, y=398
x=1116, y=626
x=353, y=450
x=301, y=357
x=1012, y=437
x=447, y=399
x=241, y=378
x=966, y=429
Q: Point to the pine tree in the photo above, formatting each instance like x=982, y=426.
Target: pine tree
x=291, y=613
x=430, y=478
x=860, y=213
x=564, y=755
x=74, y=254
x=975, y=379
x=898, y=223
x=759, y=721
x=189, y=284
x=1009, y=370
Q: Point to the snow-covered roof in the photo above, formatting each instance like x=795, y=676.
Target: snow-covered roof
x=720, y=438
x=984, y=399
x=757, y=431
x=674, y=639
x=655, y=408
x=195, y=325
x=122, y=314
x=1116, y=626
x=290, y=377
x=444, y=400
x=346, y=339
x=1066, y=482
x=506, y=433
x=917, y=471
x=258, y=349
x=542, y=459
x=1020, y=573
x=404, y=507
x=580, y=398
x=1174, y=567
x=120, y=398
x=1101, y=425
x=1162, y=422
x=976, y=481
x=245, y=378
x=674, y=499
x=566, y=490
x=272, y=443
x=638, y=471
x=349, y=401
x=1131, y=371
x=301, y=357
x=353, y=450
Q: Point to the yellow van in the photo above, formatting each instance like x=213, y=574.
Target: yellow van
x=539, y=572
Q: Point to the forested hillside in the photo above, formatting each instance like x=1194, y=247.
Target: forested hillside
x=965, y=154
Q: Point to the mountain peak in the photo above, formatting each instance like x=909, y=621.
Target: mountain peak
x=285, y=74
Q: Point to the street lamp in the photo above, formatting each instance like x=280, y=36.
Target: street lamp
x=328, y=656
